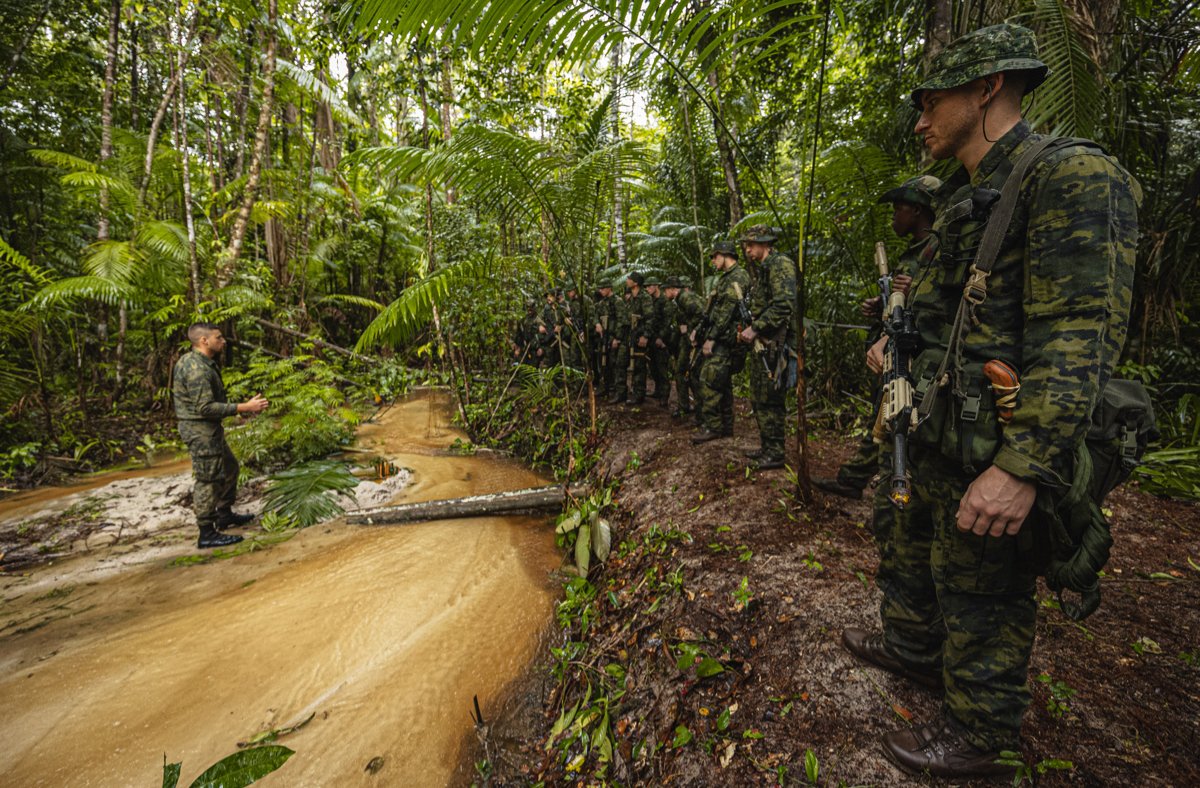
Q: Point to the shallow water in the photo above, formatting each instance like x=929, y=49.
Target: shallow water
x=385, y=633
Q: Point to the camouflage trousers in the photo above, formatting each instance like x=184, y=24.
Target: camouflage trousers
x=640, y=356
x=660, y=371
x=862, y=466
x=214, y=472
x=687, y=384
x=618, y=366
x=715, y=402
x=969, y=597
x=770, y=407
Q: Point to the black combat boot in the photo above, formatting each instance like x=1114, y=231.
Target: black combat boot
x=226, y=518
x=211, y=537
x=768, y=462
x=636, y=399
x=755, y=454
x=617, y=398
x=704, y=436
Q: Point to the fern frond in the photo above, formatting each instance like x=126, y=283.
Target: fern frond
x=62, y=161
x=82, y=288
x=20, y=262
x=346, y=298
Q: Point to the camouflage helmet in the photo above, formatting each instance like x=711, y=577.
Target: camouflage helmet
x=988, y=50
x=760, y=233
x=918, y=191
x=727, y=248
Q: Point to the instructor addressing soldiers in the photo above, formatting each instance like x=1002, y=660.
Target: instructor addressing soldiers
x=200, y=406
x=1055, y=308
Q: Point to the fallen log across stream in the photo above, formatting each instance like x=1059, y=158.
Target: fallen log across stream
x=510, y=502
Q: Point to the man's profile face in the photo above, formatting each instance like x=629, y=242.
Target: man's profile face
x=756, y=251
x=905, y=216
x=948, y=119
x=212, y=343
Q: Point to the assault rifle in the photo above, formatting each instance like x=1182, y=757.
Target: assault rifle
x=896, y=413
x=700, y=332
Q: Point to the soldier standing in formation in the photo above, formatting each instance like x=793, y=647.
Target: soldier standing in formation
x=642, y=331
x=717, y=342
x=1055, y=306
x=664, y=321
x=689, y=311
x=200, y=405
x=772, y=334
x=912, y=217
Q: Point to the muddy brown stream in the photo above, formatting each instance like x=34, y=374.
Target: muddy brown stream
x=385, y=633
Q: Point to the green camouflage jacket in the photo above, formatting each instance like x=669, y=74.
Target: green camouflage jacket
x=730, y=287
x=665, y=317
x=689, y=308
x=773, y=298
x=641, y=317
x=617, y=312
x=198, y=391
x=1057, y=306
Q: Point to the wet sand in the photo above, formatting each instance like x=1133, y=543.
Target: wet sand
x=384, y=633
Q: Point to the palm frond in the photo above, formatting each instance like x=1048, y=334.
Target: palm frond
x=62, y=161
x=346, y=298
x=14, y=259
x=1068, y=103
x=400, y=320
x=307, y=494
x=82, y=288
x=116, y=261
x=95, y=181
x=166, y=239
x=311, y=86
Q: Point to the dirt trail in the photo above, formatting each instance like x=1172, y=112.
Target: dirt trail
x=384, y=633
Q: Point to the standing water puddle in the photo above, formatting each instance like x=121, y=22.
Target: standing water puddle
x=384, y=633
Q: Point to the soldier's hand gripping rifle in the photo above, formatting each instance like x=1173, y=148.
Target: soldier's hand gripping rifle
x=745, y=320
x=896, y=412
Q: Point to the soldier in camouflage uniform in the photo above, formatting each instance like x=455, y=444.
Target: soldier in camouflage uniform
x=772, y=334
x=718, y=344
x=912, y=217
x=200, y=405
x=1055, y=309
x=617, y=334
x=599, y=344
x=525, y=338
x=642, y=330
x=576, y=312
x=689, y=311
x=660, y=350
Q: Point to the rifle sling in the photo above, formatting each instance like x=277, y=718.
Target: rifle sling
x=975, y=289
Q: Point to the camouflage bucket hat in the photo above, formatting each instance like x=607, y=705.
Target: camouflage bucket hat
x=988, y=50
x=637, y=278
x=918, y=191
x=684, y=281
x=760, y=233
x=727, y=248
x=653, y=280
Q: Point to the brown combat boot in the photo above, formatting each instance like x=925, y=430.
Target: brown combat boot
x=940, y=749
x=870, y=648
x=837, y=487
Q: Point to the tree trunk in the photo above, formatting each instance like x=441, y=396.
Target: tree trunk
x=618, y=205
x=20, y=50
x=106, y=111
x=161, y=113
x=502, y=503
x=939, y=16
x=134, y=84
x=737, y=208
x=684, y=98
x=237, y=237
x=447, y=88
x=181, y=144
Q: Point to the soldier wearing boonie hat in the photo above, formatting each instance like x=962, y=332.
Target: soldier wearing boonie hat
x=1053, y=306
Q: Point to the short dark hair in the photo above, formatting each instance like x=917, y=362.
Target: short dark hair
x=198, y=330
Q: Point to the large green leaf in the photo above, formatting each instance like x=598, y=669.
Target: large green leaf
x=242, y=768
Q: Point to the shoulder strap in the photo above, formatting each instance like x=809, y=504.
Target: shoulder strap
x=993, y=235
